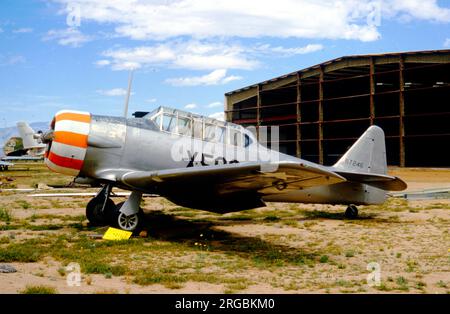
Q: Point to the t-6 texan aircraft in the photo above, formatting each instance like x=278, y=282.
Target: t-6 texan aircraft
x=203, y=163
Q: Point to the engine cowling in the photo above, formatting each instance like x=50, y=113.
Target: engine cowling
x=66, y=150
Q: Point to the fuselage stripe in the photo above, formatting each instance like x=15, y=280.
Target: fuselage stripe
x=68, y=150
x=54, y=167
x=73, y=126
x=73, y=117
x=72, y=139
x=65, y=161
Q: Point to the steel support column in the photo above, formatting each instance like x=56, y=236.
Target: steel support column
x=321, y=78
x=258, y=110
x=402, y=110
x=372, y=91
x=298, y=152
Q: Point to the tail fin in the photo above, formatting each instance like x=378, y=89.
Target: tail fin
x=368, y=154
x=365, y=162
x=27, y=135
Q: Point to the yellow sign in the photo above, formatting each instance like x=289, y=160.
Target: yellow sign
x=116, y=234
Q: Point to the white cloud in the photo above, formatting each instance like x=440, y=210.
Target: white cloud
x=218, y=115
x=191, y=54
x=327, y=19
x=447, y=43
x=151, y=100
x=204, y=19
x=67, y=37
x=214, y=104
x=408, y=10
x=23, y=30
x=113, y=92
x=216, y=77
x=190, y=106
x=287, y=52
x=11, y=60
x=159, y=20
x=102, y=63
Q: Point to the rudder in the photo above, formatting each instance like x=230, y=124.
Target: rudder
x=27, y=133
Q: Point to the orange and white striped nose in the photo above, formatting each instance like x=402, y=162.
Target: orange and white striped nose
x=66, y=151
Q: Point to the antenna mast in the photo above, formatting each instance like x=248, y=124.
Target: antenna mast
x=127, y=99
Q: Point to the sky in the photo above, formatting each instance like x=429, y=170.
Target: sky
x=77, y=54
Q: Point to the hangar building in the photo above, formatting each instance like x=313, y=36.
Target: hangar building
x=323, y=109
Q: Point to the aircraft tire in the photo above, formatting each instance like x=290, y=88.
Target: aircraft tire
x=128, y=223
x=351, y=212
x=94, y=211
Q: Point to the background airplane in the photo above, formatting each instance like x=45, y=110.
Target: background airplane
x=30, y=142
x=31, y=148
x=203, y=163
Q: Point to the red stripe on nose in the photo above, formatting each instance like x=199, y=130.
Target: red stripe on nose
x=65, y=162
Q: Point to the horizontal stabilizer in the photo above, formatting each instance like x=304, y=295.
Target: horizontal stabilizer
x=381, y=181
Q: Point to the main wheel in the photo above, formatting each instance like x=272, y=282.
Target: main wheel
x=351, y=212
x=124, y=222
x=94, y=212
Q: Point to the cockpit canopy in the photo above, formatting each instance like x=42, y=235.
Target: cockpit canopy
x=188, y=124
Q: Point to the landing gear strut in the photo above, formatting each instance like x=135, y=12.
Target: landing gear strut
x=101, y=210
x=351, y=212
x=100, y=206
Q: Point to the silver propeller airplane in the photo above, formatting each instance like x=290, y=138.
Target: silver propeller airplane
x=203, y=163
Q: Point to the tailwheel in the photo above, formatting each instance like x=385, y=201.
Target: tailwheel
x=351, y=212
x=96, y=214
x=126, y=222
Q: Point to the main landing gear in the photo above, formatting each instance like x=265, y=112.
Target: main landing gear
x=351, y=212
x=101, y=210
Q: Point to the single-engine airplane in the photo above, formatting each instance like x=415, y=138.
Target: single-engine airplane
x=203, y=163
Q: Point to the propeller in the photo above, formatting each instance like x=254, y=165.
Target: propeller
x=46, y=137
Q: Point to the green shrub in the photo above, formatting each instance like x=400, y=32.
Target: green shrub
x=21, y=252
x=5, y=215
x=39, y=290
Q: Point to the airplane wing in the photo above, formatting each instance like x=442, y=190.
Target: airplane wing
x=264, y=178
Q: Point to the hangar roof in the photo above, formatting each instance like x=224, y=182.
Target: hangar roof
x=427, y=56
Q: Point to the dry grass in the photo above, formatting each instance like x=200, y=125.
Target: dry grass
x=281, y=248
